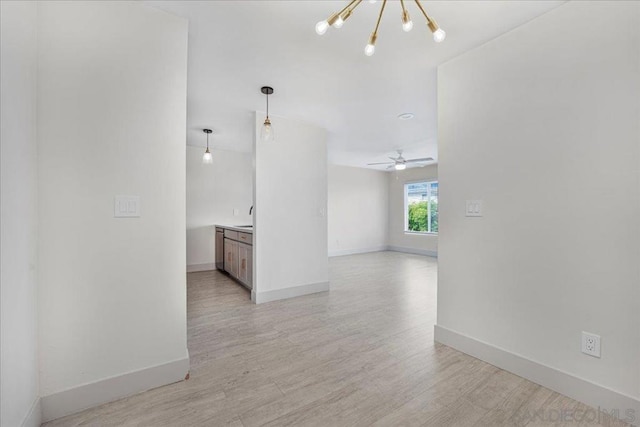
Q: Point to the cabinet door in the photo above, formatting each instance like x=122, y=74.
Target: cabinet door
x=219, y=250
x=231, y=257
x=245, y=265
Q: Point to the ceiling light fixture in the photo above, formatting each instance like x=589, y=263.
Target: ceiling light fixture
x=400, y=163
x=207, y=158
x=406, y=116
x=266, y=133
x=337, y=20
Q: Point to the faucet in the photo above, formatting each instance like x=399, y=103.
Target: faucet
x=250, y=209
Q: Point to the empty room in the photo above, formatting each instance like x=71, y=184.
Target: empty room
x=320, y=213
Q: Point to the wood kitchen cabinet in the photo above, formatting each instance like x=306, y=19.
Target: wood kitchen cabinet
x=245, y=264
x=231, y=257
x=238, y=254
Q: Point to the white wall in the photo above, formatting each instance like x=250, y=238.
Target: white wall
x=111, y=120
x=358, y=211
x=213, y=192
x=542, y=124
x=425, y=244
x=19, y=221
x=290, y=184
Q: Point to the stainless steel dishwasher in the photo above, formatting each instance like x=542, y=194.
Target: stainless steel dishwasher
x=220, y=248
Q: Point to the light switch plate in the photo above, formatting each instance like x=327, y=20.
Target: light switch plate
x=126, y=207
x=473, y=208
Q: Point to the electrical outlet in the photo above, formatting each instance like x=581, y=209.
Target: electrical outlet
x=591, y=344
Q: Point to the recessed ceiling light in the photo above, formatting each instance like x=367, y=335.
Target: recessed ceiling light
x=406, y=116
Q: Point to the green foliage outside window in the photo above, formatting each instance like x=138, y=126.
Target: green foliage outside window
x=419, y=213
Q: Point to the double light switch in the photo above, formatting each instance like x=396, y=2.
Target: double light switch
x=474, y=208
x=126, y=207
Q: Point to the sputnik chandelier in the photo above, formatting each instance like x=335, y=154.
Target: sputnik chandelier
x=337, y=20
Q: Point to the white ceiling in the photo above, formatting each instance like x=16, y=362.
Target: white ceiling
x=235, y=47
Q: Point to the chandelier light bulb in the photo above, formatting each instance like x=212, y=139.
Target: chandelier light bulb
x=321, y=27
x=369, y=49
x=407, y=24
x=372, y=1
x=439, y=35
x=338, y=22
x=400, y=166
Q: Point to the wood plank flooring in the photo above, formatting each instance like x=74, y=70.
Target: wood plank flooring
x=360, y=355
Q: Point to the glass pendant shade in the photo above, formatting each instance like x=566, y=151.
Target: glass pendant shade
x=266, y=133
x=207, y=158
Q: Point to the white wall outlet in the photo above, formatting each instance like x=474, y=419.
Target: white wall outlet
x=126, y=207
x=236, y=212
x=591, y=344
x=473, y=208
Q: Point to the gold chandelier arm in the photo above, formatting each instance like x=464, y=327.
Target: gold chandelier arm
x=384, y=3
x=335, y=16
x=347, y=11
x=349, y=5
x=429, y=20
x=404, y=9
x=433, y=25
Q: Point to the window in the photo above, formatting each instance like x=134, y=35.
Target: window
x=421, y=207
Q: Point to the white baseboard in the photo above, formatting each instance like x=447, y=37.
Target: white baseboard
x=344, y=252
x=295, y=291
x=193, y=268
x=577, y=388
x=413, y=251
x=34, y=416
x=86, y=396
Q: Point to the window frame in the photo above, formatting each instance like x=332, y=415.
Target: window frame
x=406, y=206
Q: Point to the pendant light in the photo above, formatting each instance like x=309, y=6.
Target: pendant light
x=266, y=133
x=207, y=158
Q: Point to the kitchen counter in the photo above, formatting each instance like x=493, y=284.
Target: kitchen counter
x=236, y=228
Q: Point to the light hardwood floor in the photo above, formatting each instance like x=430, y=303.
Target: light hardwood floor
x=362, y=354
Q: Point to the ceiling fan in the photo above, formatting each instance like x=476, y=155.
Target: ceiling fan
x=400, y=163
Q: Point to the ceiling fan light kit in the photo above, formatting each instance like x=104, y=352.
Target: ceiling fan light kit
x=400, y=163
x=337, y=20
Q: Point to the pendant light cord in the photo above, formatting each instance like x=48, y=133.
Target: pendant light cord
x=267, y=105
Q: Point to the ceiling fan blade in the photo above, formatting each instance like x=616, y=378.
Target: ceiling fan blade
x=380, y=163
x=425, y=159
